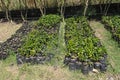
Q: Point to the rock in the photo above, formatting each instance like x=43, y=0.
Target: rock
x=95, y=71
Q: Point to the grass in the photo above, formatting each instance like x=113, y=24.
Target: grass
x=111, y=46
x=61, y=37
x=46, y=72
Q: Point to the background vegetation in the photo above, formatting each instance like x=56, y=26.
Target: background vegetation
x=23, y=4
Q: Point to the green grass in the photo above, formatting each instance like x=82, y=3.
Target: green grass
x=61, y=38
x=46, y=72
x=111, y=46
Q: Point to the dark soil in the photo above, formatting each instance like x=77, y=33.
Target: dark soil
x=13, y=43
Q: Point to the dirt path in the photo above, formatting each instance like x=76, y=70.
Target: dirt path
x=111, y=46
x=7, y=29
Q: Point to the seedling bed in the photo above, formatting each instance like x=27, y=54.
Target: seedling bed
x=41, y=44
x=112, y=24
x=84, y=50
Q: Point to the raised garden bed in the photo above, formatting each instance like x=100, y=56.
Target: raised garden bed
x=112, y=23
x=84, y=50
x=41, y=43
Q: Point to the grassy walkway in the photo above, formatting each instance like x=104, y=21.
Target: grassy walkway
x=111, y=46
x=61, y=38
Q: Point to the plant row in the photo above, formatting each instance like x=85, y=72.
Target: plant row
x=112, y=23
x=42, y=41
x=84, y=50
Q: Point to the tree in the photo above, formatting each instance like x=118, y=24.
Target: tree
x=20, y=10
x=31, y=3
x=86, y=6
x=35, y=3
x=107, y=6
x=61, y=5
x=26, y=9
x=0, y=5
x=104, y=9
x=41, y=4
x=5, y=4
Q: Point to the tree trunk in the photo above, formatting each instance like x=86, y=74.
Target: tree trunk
x=86, y=6
x=7, y=15
x=101, y=9
x=41, y=7
x=44, y=7
x=21, y=11
x=35, y=3
x=26, y=9
x=61, y=5
x=108, y=7
x=6, y=8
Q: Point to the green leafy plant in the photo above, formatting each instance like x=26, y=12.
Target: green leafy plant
x=81, y=42
x=43, y=39
x=49, y=20
x=113, y=25
x=34, y=43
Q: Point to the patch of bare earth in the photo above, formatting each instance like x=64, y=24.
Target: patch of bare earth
x=13, y=70
x=97, y=33
x=97, y=30
x=7, y=29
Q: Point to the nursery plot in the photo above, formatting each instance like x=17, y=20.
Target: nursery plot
x=84, y=50
x=42, y=43
x=112, y=23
